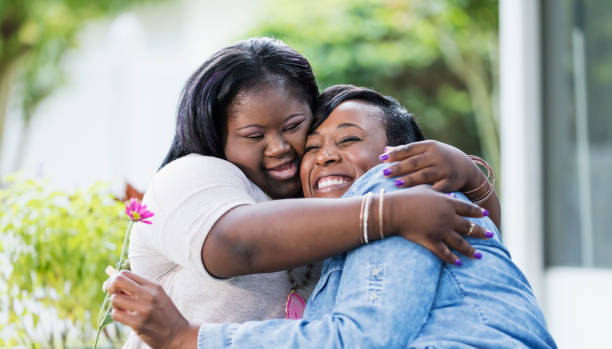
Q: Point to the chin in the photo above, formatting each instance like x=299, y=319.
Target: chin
x=285, y=190
x=330, y=195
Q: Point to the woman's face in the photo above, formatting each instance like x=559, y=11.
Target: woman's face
x=342, y=149
x=267, y=127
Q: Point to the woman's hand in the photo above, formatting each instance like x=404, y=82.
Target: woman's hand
x=145, y=307
x=435, y=221
x=443, y=166
x=431, y=162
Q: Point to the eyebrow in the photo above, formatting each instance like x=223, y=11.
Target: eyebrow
x=348, y=124
x=256, y=125
x=342, y=125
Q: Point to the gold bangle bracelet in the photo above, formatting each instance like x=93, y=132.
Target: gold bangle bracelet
x=381, y=197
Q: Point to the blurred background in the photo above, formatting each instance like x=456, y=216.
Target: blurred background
x=88, y=93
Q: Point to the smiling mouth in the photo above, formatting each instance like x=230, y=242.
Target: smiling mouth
x=330, y=183
x=284, y=171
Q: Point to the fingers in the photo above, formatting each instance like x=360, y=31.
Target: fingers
x=409, y=165
x=456, y=242
x=137, y=278
x=427, y=175
x=442, y=185
x=445, y=254
x=467, y=209
x=122, y=282
x=125, y=302
x=468, y=228
x=127, y=318
x=403, y=151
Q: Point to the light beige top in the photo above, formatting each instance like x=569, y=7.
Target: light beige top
x=187, y=197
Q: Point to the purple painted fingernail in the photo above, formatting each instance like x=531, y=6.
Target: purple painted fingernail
x=384, y=157
x=477, y=255
x=452, y=195
x=399, y=182
x=485, y=212
x=387, y=171
x=458, y=262
x=489, y=234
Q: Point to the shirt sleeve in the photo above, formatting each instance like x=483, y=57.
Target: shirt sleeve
x=193, y=193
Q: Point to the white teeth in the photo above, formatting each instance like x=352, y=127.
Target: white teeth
x=328, y=182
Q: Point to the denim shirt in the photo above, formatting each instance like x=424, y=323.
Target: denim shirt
x=395, y=293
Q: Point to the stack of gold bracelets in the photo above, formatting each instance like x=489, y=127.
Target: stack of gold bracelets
x=490, y=181
x=366, y=201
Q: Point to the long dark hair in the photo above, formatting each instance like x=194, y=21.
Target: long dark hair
x=400, y=126
x=202, y=111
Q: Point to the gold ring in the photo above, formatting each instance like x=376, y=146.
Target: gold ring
x=471, y=228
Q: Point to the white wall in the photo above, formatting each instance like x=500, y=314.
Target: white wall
x=520, y=136
x=579, y=303
x=114, y=118
x=576, y=301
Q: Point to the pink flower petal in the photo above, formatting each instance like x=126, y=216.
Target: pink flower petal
x=146, y=214
x=132, y=204
x=146, y=222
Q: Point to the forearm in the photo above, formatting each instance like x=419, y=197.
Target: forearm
x=281, y=234
x=334, y=331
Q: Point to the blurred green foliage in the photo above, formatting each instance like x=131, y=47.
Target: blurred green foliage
x=437, y=57
x=34, y=36
x=54, y=247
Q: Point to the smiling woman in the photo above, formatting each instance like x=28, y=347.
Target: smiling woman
x=344, y=136
x=266, y=132
x=366, y=122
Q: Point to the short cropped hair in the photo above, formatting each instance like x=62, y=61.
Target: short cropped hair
x=400, y=126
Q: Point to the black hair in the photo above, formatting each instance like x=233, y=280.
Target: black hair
x=202, y=111
x=400, y=126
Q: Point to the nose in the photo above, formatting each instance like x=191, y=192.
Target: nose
x=277, y=146
x=327, y=156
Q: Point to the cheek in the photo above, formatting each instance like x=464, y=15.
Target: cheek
x=307, y=164
x=245, y=156
x=364, y=159
x=297, y=141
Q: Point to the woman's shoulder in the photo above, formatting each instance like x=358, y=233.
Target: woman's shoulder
x=197, y=174
x=199, y=162
x=196, y=168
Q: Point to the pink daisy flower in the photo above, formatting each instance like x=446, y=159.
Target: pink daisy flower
x=138, y=212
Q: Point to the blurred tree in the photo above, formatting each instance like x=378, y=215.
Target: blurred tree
x=437, y=57
x=34, y=36
x=53, y=252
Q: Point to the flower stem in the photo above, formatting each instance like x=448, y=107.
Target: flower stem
x=104, y=311
x=123, y=247
x=106, y=305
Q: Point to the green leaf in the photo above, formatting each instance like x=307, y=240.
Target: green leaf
x=107, y=319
